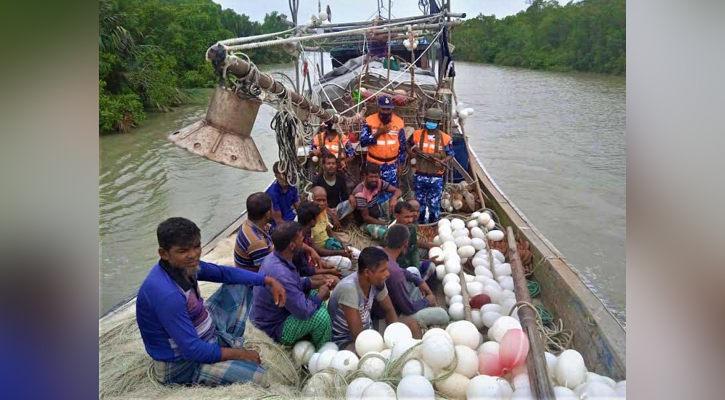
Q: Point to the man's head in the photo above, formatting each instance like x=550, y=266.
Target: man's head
x=403, y=213
x=329, y=127
x=372, y=265
x=433, y=118
x=372, y=176
x=319, y=196
x=259, y=207
x=385, y=106
x=287, y=237
x=307, y=213
x=397, y=237
x=329, y=164
x=281, y=178
x=415, y=208
x=180, y=244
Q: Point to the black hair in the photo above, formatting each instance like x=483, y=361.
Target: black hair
x=258, y=204
x=307, y=212
x=372, y=169
x=370, y=258
x=327, y=154
x=285, y=234
x=402, y=205
x=397, y=236
x=177, y=231
x=275, y=168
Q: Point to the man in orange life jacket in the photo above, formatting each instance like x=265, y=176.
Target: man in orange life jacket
x=384, y=136
x=332, y=138
x=428, y=180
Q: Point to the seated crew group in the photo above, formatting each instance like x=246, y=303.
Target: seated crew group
x=297, y=279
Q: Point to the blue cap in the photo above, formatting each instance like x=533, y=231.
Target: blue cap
x=385, y=101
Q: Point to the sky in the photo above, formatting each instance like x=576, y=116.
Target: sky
x=358, y=10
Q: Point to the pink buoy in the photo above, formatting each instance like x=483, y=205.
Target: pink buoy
x=489, y=364
x=513, y=349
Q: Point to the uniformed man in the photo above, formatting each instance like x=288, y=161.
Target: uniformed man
x=383, y=134
x=331, y=138
x=437, y=147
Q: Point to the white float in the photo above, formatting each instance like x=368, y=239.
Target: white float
x=437, y=331
x=550, y=364
x=454, y=386
x=456, y=299
x=498, y=255
x=328, y=346
x=312, y=364
x=466, y=251
x=453, y=266
x=436, y=254
x=445, y=230
x=368, y=341
x=452, y=288
x=570, y=369
x=483, y=271
x=489, y=347
x=302, y=352
x=395, y=332
x=438, y=351
x=490, y=224
x=478, y=244
x=415, y=387
x=564, y=393
x=371, y=365
x=502, y=269
x=356, y=387
x=449, y=278
x=476, y=319
x=501, y=326
x=472, y=224
x=344, y=361
x=456, y=311
x=464, y=333
x=457, y=223
x=489, y=318
x=491, y=307
x=477, y=233
x=483, y=219
x=417, y=367
x=378, y=391
x=324, y=360
x=467, y=361
x=444, y=222
x=402, y=346
x=461, y=233
x=484, y=387
x=521, y=381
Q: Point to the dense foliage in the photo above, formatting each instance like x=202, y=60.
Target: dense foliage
x=151, y=51
x=585, y=36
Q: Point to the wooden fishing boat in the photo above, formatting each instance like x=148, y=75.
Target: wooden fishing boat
x=596, y=332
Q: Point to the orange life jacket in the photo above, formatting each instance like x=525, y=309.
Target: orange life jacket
x=388, y=146
x=336, y=146
x=433, y=146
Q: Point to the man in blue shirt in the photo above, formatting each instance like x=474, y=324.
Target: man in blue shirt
x=304, y=312
x=284, y=198
x=178, y=331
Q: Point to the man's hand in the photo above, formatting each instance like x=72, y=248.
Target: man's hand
x=248, y=355
x=324, y=291
x=316, y=259
x=318, y=280
x=431, y=300
x=278, y=293
x=381, y=130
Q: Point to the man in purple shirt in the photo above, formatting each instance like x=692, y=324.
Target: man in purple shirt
x=304, y=312
x=191, y=343
x=408, y=292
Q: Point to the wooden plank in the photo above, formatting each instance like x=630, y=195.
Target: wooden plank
x=535, y=361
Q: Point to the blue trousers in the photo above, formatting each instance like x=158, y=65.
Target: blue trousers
x=389, y=173
x=428, y=192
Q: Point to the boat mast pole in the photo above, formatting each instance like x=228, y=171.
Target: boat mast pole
x=535, y=361
x=389, y=38
x=294, y=6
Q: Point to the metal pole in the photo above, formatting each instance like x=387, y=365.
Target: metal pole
x=389, y=38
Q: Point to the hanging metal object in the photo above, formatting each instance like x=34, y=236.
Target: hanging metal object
x=224, y=135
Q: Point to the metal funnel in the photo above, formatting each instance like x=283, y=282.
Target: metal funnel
x=224, y=135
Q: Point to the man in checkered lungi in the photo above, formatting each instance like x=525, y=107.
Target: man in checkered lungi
x=191, y=343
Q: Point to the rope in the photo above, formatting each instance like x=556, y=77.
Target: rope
x=534, y=288
x=556, y=338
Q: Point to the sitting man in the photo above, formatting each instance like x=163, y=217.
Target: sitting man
x=335, y=185
x=406, y=215
x=181, y=335
x=366, y=198
x=253, y=241
x=304, y=312
x=422, y=243
x=285, y=198
x=408, y=292
x=352, y=300
x=322, y=233
x=339, y=259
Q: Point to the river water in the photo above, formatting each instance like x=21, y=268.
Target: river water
x=554, y=142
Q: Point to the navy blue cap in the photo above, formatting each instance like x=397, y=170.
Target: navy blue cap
x=385, y=101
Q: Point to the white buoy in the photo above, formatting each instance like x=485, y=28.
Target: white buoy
x=415, y=387
x=477, y=233
x=463, y=333
x=417, y=367
x=438, y=351
x=344, y=361
x=395, y=332
x=378, y=391
x=450, y=278
x=457, y=223
x=328, y=346
x=356, y=387
x=570, y=369
x=371, y=365
x=456, y=311
x=402, y=346
x=312, y=364
x=501, y=326
x=325, y=359
x=302, y=352
x=467, y=361
x=368, y=341
x=454, y=386
x=489, y=347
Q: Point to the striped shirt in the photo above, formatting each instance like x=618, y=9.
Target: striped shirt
x=368, y=199
x=252, y=246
